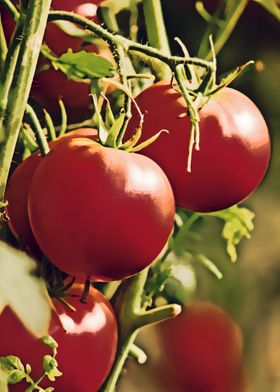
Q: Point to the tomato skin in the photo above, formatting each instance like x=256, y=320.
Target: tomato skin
x=98, y=211
x=17, y=192
x=201, y=351
x=234, y=146
x=86, y=350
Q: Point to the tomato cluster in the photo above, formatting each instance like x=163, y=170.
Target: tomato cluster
x=51, y=84
x=234, y=146
x=87, y=343
x=201, y=351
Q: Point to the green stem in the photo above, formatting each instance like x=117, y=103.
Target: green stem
x=156, y=32
x=40, y=137
x=138, y=354
x=3, y=47
x=230, y=23
x=128, y=45
x=33, y=32
x=227, y=26
x=126, y=346
x=10, y=8
x=132, y=316
x=7, y=74
x=49, y=125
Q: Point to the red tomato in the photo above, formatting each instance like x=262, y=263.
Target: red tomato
x=98, y=211
x=201, y=351
x=234, y=146
x=87, y=342
x=17, y=192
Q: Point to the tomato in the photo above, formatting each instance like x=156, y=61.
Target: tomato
x=98, y=211
x=17, y=193
x=87, y=342
x=234, y=146
x=201, y=351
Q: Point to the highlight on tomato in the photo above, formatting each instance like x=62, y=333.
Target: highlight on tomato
x=202, y=350
x=98, y=211
x=87, y=343
x=17, y=192
x=234, y=148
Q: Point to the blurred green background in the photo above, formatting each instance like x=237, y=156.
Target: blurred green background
x=250, y=289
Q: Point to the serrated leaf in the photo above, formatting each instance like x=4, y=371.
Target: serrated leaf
x=271, y=6
x=83, y=65
x=238, y=225
x=20, y=289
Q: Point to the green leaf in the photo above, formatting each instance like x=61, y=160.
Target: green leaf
x=50, y=367
x=238, y=225
x=83, y=65
x=271, y=6
x=11, y=370
x=20, y=289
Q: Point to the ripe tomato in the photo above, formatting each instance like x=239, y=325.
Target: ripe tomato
x=17, y=192
x=98, y=211
x=87, y=342
x=201, y=351
x=234, y=146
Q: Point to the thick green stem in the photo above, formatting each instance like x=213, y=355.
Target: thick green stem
x=156, y=32
x=133, y=316
x=33, y=32
x=7, y=74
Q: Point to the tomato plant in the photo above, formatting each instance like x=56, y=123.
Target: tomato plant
x=50, y=85
x=87, y=340
x=17, y=192
x=113, y=211
x=234, y=146
x=202, y=351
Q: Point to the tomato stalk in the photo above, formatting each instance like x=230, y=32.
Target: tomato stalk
x=133, y=316
x=157, y=35
x=128, y=45
x=24, y=70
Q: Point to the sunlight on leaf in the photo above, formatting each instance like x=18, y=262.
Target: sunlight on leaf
x=21, y=290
